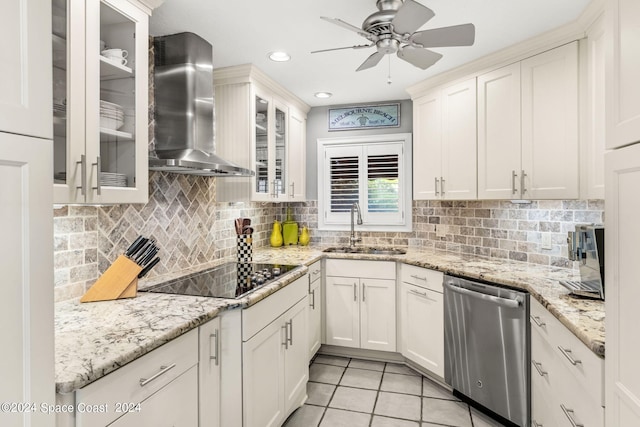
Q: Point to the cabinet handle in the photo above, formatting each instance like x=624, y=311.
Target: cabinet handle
x=163, y=370
x=315, y=272
x=313, y=299
x=538, y=367
x=290, y=337
x=567, y=353
x=363, y=287
x=355, y=293
x=422, y=294
x=514, y=175
x=536, y=424
x=293, y=186
x=83, y=174
x=286, y=341
x=215, y=346
x=98, y=165
x=569, y=413
x=538, y=321
x=436, y=178
x=522, y=186
x=418, y=277
x=275, y=189
x=442, y=186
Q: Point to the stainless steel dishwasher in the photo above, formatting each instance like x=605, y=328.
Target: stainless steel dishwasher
x=487, y=341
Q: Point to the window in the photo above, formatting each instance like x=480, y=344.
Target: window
x=374, y=171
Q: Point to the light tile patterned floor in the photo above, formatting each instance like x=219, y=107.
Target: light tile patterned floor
x=353, y=393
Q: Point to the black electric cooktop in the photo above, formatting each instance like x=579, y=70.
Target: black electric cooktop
x=230, y=280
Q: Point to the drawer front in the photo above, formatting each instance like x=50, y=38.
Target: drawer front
x=573, y=355
x=138, y=380
x=557, y=395
x=315, y=271
x=422, y=277
x=256, y=317
x=358, y=268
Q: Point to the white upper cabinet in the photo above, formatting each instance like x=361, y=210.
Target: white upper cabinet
x=550, y=124
x=444, y=151
x=458, y=180
x=528, y=128
x=100, y=102
x=427, y=145
x=592, y=140
x=262, y=127
x=623, y=69
x=25, y=74
x=499, y=144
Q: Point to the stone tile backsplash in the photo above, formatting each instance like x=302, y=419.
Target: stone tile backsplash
x=494, y=228
x=192, y=229
x=182, y=216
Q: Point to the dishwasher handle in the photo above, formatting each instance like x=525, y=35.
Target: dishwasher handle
x=503, y=302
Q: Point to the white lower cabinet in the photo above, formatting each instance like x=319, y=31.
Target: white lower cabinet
x=567, y=378
x=421, y=313
x=315, y=308
x=174, y=405
x=209, y=374
x=159, y=388
x=276, y=357
x=360, y=298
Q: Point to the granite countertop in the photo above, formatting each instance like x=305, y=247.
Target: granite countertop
x=94, y=339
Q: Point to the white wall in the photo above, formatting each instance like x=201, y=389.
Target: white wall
x=318, y=127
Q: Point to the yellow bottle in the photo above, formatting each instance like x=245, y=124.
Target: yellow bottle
x=304, y=236
x=276, y=235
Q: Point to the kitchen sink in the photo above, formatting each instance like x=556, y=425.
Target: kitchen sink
x=369, y=250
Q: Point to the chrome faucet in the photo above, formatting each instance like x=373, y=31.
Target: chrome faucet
x=352, y=239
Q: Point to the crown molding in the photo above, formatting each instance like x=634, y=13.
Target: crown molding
x=249, y=73
x=575, y=30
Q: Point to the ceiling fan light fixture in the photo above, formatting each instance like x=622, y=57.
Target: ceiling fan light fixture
x=323, y=95
x=279, y=56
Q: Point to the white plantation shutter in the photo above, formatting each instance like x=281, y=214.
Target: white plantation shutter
x=372, y=175
x=345, y=179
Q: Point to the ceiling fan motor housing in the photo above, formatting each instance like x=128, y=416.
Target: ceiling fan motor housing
x=389, y=4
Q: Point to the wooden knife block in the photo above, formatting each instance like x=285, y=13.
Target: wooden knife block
x=119, y=281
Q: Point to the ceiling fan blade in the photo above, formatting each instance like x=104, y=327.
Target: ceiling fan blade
x=346, y=25
x=456, y=35
x=421, y=58
x=371, y=61
x=360, y=46
x=411, y=16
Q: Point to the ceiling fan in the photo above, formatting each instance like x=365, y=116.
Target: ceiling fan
x=392, y=29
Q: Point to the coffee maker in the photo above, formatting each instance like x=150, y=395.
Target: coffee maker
x=586, y=245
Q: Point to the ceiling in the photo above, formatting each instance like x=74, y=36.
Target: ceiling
x=245, y=31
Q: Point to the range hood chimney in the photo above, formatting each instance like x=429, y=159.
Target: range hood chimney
x=184, y=140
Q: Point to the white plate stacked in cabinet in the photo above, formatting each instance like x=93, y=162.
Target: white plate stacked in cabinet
x=567, y=378
x=422, y=317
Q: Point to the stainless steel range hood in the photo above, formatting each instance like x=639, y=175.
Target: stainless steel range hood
x=184, y=137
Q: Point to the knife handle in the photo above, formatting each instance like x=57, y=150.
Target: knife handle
x=134, y=246
x=148, y=267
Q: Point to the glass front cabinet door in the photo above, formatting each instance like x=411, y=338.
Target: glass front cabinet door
x=270, y=149
x=100, y=101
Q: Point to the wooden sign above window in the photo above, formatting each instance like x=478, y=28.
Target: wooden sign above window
x=364, y=117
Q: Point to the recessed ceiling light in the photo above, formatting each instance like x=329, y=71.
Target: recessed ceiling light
x=323, y=94
x=279, y=56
